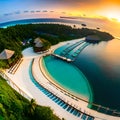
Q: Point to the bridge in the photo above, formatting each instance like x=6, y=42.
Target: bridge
x=61, y=57
x=70, y=48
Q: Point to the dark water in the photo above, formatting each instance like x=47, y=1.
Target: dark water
x=100, y=64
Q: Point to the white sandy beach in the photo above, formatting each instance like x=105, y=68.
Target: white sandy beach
x=23, y=80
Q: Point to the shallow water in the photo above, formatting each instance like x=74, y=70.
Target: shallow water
x=68, y=76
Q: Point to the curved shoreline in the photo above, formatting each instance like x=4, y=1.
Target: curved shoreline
x=54, y=93
x=89, y=100
x=91, y=112
x=48, y=77
x=22, y=79
x=89, y=87
x=52, y=79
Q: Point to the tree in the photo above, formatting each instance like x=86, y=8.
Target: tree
x=32, y=107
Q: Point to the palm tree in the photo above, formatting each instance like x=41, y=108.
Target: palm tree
x=32, y=107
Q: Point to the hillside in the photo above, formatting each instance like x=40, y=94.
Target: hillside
x=15, y=107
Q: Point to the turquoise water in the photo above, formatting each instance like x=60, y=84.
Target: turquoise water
x=68, y=76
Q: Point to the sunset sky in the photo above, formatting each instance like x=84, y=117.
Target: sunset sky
x=86, y=8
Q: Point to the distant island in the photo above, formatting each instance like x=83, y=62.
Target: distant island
x=18, y=37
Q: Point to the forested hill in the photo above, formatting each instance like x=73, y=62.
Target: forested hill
x=11, y=37
x=15, y=107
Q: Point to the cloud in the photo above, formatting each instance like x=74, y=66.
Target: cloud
x=17, y=12
x=44, y=11
x=32, y=11
x=75, y=7
x=63, y=12
x=52, y=11
x=26, y=11
x=7, y=14
x=37, y=10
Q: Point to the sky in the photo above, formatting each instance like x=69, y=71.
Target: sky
x=80, y=8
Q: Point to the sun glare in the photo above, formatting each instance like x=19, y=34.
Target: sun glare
x=112, y=13
x=113, y=16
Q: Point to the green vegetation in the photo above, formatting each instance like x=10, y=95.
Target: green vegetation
x=41, y=45
x=18, y=37
x=15, y=107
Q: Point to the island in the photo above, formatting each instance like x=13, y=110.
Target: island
x=39, y=36
x=19, y=37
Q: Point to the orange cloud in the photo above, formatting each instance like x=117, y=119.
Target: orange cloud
x=108, y=9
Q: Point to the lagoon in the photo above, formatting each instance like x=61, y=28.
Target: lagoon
x=68, y=76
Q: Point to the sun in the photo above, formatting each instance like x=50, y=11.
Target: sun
x=113, y=16
x=112, y=13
